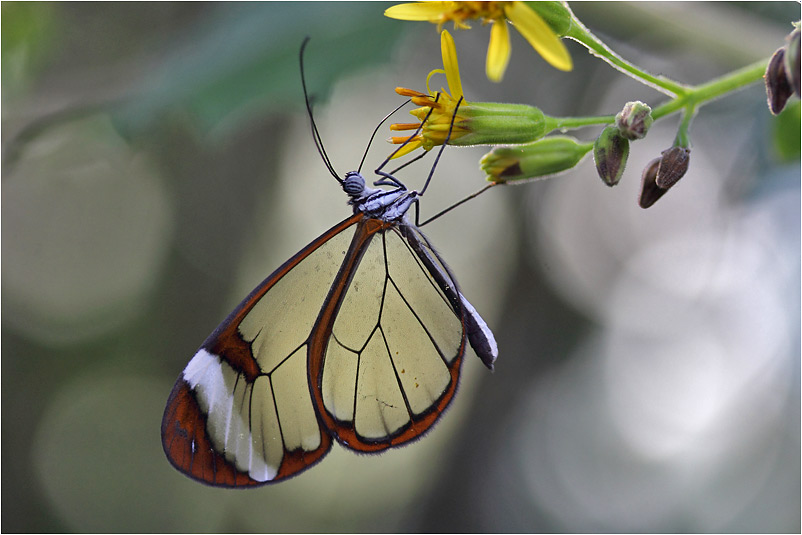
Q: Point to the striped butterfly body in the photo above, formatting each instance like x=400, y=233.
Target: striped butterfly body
x=359, y=337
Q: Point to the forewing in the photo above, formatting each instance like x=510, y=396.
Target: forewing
x=387, y=350
x=241, y=411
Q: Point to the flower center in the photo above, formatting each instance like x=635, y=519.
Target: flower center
x=487, y=11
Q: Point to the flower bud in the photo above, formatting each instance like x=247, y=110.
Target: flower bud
x=649, y=191
x=778, y=88
x=634, y=120
x=662, y=173
x=540, y=159
x=792, y=61
x=610, y=153
x=490, y=123
x=673, y=166
x=556, y=14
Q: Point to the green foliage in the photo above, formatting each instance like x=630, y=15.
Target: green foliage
x=786, y=133
x=245, y=57
x=27, y=39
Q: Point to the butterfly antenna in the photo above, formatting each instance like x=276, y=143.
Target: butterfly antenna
x=315, y=132
x=443, y=146
x=359, y=170
x=440, y=152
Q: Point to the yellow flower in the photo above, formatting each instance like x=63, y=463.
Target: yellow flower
x=474, y=123
x=439, y=106
x=524, y=18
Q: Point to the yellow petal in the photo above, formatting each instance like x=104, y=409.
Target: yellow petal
x=449, y=51
x=498, y=52
x=539, y=35
x=430, y=11
x=406, y=149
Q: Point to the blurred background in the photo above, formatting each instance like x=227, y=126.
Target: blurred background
x=158, y=164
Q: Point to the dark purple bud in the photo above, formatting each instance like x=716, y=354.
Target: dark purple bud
x=778, y=88
x=610, y=152
x=673, y=166
x=649, y=190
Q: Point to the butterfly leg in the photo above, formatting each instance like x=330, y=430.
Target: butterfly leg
x=389, y=180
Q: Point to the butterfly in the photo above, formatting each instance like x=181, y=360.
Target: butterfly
x=358, y=338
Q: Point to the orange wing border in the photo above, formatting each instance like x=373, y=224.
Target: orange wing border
x=186, y=440
x=345, y=433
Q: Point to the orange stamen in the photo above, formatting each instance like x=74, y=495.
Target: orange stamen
x=426, y=100
x=404, y=92
x=399, y=140
x=404, y=126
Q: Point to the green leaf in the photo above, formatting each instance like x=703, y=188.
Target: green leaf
x=243, y=58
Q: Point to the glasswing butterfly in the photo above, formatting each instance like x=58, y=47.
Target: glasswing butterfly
x=359, y=337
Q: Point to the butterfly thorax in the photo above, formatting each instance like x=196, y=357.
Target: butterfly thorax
x=387, y=205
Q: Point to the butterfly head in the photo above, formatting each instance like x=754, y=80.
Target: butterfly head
x=354, y=185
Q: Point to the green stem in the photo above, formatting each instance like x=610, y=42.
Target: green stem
x=692, y=98
x=701, y=94
x=579, y=33
x=567, y=123
x=685, y=97
x=682, y=139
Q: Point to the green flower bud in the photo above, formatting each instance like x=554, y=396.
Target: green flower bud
x=610, y=153
x=556, y=14
x=634, y=120
x=540, y=159
x=489, y=123
x=778, y=88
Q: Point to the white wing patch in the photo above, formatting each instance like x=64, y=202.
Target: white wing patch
x=254, y=424
x=229, y=411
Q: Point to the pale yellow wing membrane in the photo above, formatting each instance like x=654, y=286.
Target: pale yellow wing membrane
x=391, y=357
x=299, y=425
x=339, y=381
x=282, y=320
x=242, y=410
x=278, y=415
x=423, y=294
x=380, y=406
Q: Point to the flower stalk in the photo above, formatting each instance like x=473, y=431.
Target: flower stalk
x=528, y=152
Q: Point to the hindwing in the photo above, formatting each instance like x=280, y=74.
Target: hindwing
x=386, y=352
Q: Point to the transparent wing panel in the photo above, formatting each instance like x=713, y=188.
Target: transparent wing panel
x=394, y=339
x=283, y=318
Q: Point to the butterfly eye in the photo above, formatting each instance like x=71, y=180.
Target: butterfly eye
x=354, y=184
